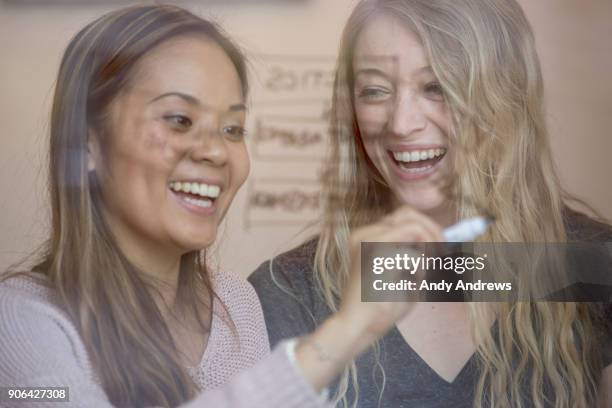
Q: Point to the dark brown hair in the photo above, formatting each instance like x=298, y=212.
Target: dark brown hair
x=108, y=299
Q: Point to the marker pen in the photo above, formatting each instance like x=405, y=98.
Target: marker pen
x=467, y=230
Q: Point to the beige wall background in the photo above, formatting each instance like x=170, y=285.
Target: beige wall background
x=573, y=39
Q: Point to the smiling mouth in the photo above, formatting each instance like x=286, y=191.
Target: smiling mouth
x=197, y=194
x=417, y=161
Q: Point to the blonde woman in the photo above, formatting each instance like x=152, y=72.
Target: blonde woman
x=147, y=150
x=438, y=106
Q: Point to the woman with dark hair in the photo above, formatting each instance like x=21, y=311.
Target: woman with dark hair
x=147, y=150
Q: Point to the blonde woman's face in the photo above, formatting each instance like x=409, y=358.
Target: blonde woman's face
x=174, y=152
x=402, y=114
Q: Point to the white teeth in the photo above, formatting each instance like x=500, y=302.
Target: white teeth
x=416, y=169
x=214, y=191
x=198, y=202
x=418, y=155
x=204, y=190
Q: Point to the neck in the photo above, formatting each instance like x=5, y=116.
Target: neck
x=444, y=215
x=155, y=261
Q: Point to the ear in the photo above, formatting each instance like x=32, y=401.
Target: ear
x=93, y=150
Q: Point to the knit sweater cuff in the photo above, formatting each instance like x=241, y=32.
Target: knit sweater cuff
x=290, y=346
x=283, y=383
x=273, y=382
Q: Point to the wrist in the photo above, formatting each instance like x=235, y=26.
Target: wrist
x=351, y=335
x=361, y=326
x=323, y=354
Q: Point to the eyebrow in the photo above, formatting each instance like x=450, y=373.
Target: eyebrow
x=371, y=71
x=380, y=72
x=192, y=100
x=188, y=98
x=238, y=107
x=426, y=68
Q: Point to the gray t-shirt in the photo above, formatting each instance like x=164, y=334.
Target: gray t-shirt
x=293, y=307
x=297, y=309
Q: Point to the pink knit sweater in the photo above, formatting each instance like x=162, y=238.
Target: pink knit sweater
x=40, y=347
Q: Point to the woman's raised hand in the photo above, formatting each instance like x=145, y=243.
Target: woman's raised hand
x=402, y=225
x=358, y=324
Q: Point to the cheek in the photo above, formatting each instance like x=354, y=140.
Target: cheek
x=372, y=119
x=131, y=185
x=240, y=165
x=150, y=149
x=440, y=115
x=138, y=177
x=375, y=152
x=165, y=148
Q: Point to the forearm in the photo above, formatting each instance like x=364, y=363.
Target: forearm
x=326, y=352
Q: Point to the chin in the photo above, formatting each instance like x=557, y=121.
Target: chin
x=196, y=241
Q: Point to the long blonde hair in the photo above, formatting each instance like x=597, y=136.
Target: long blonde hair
x=111, y=302
x=483, y=54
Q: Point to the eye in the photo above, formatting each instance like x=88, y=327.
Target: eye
x=236, y=132
x=434, y=89
x=179, y=122
x=373, y=93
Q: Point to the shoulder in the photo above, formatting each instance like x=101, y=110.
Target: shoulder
x=240, y=303
x=30, y=304
x=581, y=227
x=238, y=337
x=28, y=295
x=27, y=285
x=291, y=303
x=37, y=337
x=233, y=288
x=238, y=299
x=291, y=270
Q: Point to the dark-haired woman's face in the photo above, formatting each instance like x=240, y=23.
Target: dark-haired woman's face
x=173, y=154
x=402, y=113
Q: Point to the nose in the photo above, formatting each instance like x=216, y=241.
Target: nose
x=209, y=146
x=408, y=115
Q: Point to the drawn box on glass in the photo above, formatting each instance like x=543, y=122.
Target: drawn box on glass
x=281, y=201
x=289, y=139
